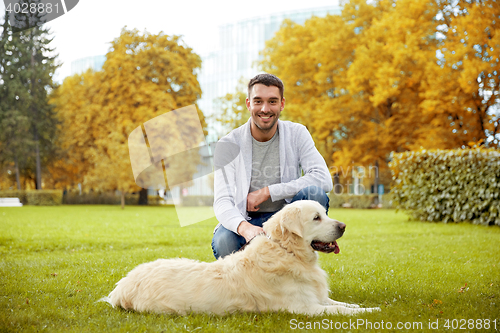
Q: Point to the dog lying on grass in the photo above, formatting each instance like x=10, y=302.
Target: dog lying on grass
x=273, y=273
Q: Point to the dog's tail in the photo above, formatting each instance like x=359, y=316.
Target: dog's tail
x=120, y=296
x=107, y=300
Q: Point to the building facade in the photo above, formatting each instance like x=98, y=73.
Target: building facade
x=83, y=64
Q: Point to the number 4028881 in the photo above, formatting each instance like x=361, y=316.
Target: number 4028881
x=469, y=324
x=26, y=8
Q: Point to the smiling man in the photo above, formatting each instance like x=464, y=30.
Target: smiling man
x=277, y=164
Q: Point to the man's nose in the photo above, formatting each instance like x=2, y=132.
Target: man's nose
x=265, y=107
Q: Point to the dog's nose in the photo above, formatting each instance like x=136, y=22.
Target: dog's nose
x=342, y=227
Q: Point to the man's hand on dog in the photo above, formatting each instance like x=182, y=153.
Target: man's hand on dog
x=249, y=230
x=255, y=198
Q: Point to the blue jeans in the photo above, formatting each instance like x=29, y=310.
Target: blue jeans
x=226, y=242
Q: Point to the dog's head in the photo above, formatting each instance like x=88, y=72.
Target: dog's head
x=304, y=223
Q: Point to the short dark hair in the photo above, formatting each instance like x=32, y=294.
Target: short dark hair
x=267, y=80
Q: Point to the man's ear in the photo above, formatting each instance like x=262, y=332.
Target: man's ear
x=290, y=220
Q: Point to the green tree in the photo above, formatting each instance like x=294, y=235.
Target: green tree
x=27, y=120
x=13, y=124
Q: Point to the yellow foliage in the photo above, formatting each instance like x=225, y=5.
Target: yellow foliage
x=234, y=112
x=369, y=82
x=465, y=83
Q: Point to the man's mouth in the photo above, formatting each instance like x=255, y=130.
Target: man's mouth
x=263, y=117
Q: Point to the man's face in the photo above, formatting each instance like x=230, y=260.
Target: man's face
x=265, y=105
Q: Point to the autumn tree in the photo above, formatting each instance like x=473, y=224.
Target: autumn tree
x=144, y=76
x=362, y=81
x=464, y=85
x=74, y=105
x=384, y=83
x=312, y=60
x=233, y=110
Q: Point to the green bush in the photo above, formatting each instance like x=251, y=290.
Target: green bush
x=354, y=201
x=35, y=197
x=337, y=200
x=130, y=199
x=45, y=197
x=363, y=201
x=106, y=198
x=387, y=200
x=448, y=185
x=94, y=198
x=21, y=194
x=154, y=200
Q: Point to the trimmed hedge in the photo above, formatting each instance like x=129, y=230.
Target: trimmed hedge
x=336, y=200
x=35, y=197
x=359, y=201
x=387, y=201
x=448, y=185
x=106, y=198
x=98, y=198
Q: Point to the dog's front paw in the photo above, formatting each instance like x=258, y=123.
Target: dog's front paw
x=373, y=309
x=347, y=305
x=355, y=306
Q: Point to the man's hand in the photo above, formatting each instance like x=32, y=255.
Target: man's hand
x=249, y=230
x=255, y=198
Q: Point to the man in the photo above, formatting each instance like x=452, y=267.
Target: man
x=266, y=171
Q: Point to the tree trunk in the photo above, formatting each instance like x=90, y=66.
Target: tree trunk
x=18, y=178
x=377, y=181
x=38, y=164
x=123, y=199
x=143, y=197
x=35, y=113
x=337, y=188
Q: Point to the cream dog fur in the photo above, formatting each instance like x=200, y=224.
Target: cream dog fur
x=273, y=273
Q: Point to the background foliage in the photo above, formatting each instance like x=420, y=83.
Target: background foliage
x=233, y=110
x=27, y=120
x=144, y=76
x=35, y=197
x=449, y=185
x=392, y=76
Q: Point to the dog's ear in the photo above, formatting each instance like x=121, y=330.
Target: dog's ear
x=290, y=220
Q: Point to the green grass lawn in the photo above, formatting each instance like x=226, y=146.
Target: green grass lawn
x=56, y=262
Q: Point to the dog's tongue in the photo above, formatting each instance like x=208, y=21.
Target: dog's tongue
x=337, y=248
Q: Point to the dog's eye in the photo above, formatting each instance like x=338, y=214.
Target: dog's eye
x=317, y=218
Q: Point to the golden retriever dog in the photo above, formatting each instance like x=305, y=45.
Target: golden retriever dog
x=276, y=271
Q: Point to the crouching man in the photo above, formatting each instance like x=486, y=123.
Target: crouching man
x=276, y=163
